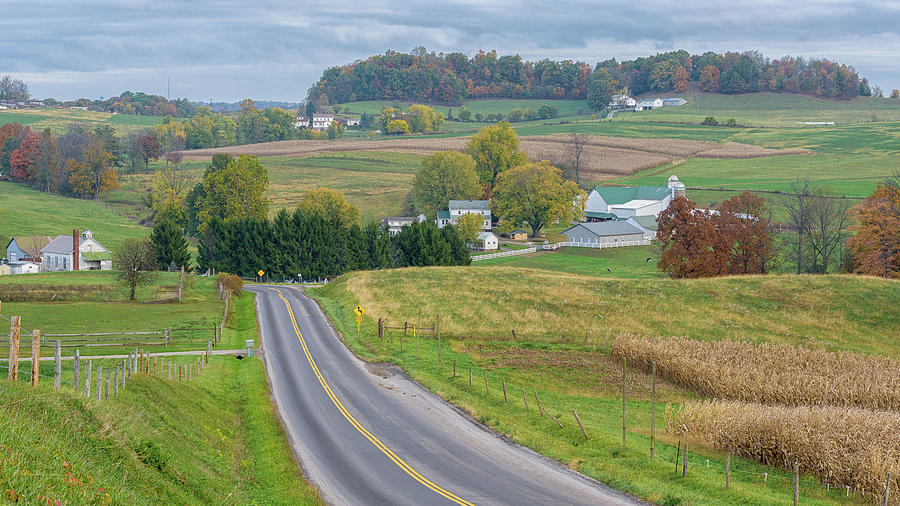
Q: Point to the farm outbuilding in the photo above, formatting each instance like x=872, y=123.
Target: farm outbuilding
x=518, y=235
x=486, y=241
x=602, y=232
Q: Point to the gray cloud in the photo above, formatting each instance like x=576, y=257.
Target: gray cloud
x=276, y=50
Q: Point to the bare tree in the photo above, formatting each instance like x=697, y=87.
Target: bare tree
x=827, y=232
x=577, y=143
x=798, y=208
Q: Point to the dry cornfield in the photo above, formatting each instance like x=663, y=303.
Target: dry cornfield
x=853, y=447
x=603, y=157
x=769, y=373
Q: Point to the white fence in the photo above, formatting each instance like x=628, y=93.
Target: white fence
x=502, y=254
x=577, y=244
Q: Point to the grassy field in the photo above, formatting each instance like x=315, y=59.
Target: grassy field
x=103, y=308
x=771, y=109
x=564, y=325
x=376, y=182
x=623, y=263
x=486, y=106
x=24, y=211
x=214, y=440
x=58, y=119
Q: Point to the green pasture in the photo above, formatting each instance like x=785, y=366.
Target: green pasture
x=625, y=263
x=57, y=120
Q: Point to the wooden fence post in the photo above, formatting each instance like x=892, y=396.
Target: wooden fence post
x=727, y=470
x=685, y=462
x=208, y=348
x=524, y=399
x=577, y=419
x=887, y=488
x=35, y=356
x=405, y=326
x=652, y=408
x=99, y=381
x=678, y=454
x=75, y=366
x=15, y=325
x=57, y=364
x=106, y=386
x=87, y=379
x=796, y=482
x=538, y=402
x=470, y=375
x=503, y=382
x=624, y=362
x=155, y=363
x=116, y=383
x=486, y=391
x=454, y=367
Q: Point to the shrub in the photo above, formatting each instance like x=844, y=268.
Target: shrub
x=232, y=283
x=731, y=122
x=709, y=120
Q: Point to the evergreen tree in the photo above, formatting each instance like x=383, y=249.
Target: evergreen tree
x=169, y=244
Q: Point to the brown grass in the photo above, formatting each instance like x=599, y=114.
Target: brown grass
x=769, y=373
x=852, y=447
x=603, y=158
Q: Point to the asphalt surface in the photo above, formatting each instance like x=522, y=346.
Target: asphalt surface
x=367, y=434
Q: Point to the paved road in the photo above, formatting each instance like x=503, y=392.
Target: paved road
x=367, y=434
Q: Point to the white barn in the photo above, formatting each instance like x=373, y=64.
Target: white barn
x=603, y=232
x=622, y=202
x=487, y=241
x=646, y=105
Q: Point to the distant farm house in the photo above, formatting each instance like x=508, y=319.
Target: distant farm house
x=457, y=208
x=321, y=121
x=76, y=252
x=394, y=225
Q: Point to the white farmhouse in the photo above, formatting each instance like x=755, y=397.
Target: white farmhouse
x=301, y=121
x=351, y=122
x=322, y=120
x=393, y=225
x=621, y=202
x=76, y=252
x=622, y=102
x=457, y=208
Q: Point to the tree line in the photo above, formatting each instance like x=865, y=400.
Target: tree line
x=454, y=77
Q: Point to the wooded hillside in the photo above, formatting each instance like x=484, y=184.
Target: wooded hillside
x=454, y=77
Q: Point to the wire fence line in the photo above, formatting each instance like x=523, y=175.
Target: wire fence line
x=485, y=384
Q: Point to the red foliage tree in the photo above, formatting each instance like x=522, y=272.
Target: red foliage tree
x=876, y=246
x=22, y=160
x=696, y=243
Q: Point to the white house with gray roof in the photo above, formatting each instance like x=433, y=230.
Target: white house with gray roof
x=76, y=252
x=457, y=208
x=602, y=233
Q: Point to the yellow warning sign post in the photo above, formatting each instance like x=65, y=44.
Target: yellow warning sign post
x=359, y=314
x=260, y=275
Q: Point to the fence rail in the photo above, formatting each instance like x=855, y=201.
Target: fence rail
x=579, y=244
x=164, y=337
x=502, y=254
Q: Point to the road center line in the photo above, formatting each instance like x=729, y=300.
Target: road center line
x=362, y=430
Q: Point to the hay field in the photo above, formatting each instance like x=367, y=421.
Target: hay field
x=604, y=157
x=767, y=373
x=844, y=447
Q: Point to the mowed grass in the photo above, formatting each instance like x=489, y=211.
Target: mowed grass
x=624, y=263
x=57, y=120
x=564, y=325
x=24, y=211
x=213, y=440
x=771, y=109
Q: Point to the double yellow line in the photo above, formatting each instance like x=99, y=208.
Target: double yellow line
x=362, y=430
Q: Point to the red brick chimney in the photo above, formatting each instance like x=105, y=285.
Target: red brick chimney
x=75, y=250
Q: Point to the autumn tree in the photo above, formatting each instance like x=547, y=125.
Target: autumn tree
x=745, y=224
x=331, y=205
x=23, y=161
x=94, y=176
x=470, y=225
x=444, y=176
x=397, y=127
x=536, y=193
x=709, y=79
x=134, y=261
x=577, y=143
x=599, y=89
x=13, y=89
x=875, y=248
x=495, y=149
x=171, y=187
x=236, y=191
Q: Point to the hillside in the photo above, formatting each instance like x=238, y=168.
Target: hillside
x=58, y=119
x=24, y=211
x=507, y=332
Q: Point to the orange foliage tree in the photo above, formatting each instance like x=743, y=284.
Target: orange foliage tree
x=734, y=239
x=22, y=160
x=875, y=248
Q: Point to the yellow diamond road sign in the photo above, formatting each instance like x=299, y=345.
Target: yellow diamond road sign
x=359, y=310
x=260, y=273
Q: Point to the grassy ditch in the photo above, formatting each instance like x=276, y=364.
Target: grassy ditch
x=566, y=374
x=213, y=440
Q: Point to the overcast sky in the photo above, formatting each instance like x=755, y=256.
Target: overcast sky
x=275, y=50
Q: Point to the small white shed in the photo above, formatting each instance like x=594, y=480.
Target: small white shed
x=487, y=241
